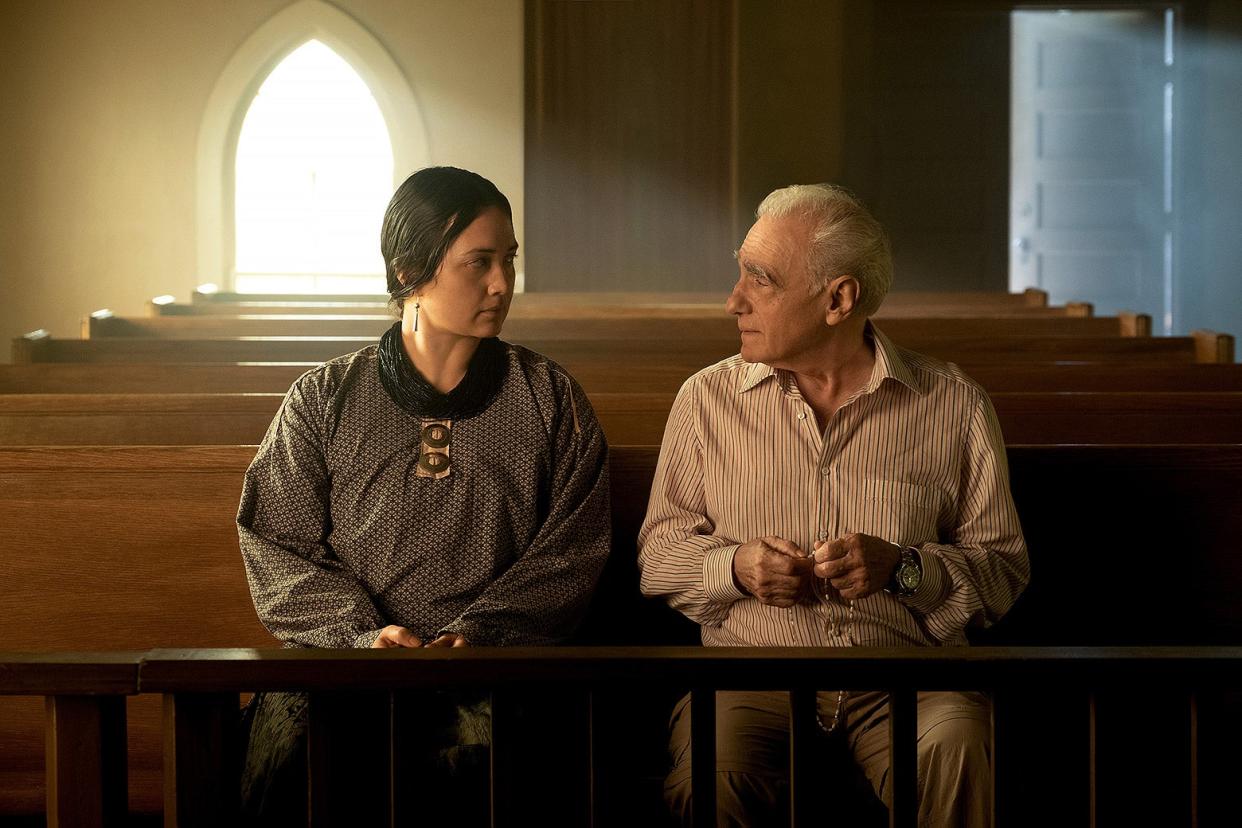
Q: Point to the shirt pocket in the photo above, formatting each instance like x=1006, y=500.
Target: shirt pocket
x=893, y=510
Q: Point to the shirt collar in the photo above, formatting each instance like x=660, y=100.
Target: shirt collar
x=888, y=364
x=755, y=373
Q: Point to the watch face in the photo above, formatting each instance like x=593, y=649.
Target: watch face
x=909, y=577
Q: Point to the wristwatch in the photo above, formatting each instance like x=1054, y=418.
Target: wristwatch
x=908, y=574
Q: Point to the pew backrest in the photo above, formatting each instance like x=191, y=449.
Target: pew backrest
x=671, y=350
x=1028, y=298
x=628, y=418
x=647, y=376
x=649, y=324
x=135, y=548
x=139, y=543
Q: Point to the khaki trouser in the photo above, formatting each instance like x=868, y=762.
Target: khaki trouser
x=752, y=756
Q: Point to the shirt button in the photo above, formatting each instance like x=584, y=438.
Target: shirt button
x=802, y=416
x=825, y=471
x=823, y=535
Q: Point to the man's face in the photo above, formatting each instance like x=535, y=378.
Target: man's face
x=779, y=314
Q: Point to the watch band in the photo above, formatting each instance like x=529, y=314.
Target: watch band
x=908, y=574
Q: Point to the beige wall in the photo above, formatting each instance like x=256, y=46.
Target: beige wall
x=100, y=108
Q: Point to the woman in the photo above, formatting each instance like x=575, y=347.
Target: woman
x=441, y=488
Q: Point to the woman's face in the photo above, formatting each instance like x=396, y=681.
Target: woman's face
x=471, y=292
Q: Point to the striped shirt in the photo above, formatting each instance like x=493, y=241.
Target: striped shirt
x=915, y=457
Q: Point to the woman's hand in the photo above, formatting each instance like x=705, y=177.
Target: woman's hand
x=396, y=636
x=450, y=640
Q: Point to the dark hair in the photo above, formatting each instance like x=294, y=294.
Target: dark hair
x=428, y=212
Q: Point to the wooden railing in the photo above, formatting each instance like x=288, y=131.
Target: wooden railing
x=360, y=742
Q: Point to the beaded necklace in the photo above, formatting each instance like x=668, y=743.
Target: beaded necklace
x=409, y=389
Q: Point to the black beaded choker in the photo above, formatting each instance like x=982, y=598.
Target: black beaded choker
x=408, y=389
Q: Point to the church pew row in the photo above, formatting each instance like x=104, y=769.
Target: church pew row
x=648, y=376
x=103, y=324
x=631, y=305
x=135, y=548
x=522, y=309
x=1037, y=418
x=967, y=299
x=1204, y=346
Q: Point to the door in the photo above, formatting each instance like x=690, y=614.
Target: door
x=1091, y=178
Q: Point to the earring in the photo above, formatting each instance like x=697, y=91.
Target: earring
x=415, y=316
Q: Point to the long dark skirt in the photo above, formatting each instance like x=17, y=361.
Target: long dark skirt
x=274, y=771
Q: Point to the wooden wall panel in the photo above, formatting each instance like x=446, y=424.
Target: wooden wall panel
x=629, y=145
x=653, y=130
x=789, y=97
x=927, y=136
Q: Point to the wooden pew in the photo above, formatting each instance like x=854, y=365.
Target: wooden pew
x=1035, y=418
x=719, y=326
x=667, y=376
x=1203, y=346
x=109, y=551
x=150, y=378
x=627, y=305
x=524, y=309
x=135, y=548
x=980, y=299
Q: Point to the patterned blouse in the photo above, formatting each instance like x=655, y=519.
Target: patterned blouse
x=343, y=532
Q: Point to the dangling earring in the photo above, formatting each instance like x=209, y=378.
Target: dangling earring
x=415, y=316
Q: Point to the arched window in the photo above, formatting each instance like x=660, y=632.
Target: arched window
x=305, y=36
x=313, y=172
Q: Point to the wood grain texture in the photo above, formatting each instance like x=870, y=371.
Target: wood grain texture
x=627, y=418
x=650, y=376
x=629, y=112
x=699, y=352
x=579, y=326
x=140, y=579
x=123, y=549
x=620, y=304
x=135, y=419
x=86, y=768
x=150, y=378
x=926, y=109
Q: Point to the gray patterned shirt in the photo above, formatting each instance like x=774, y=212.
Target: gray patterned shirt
x=341, y=536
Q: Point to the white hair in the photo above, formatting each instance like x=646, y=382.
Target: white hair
x=845, y=239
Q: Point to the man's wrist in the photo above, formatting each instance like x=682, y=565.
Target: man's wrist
x=720, y=582
x=907, y=574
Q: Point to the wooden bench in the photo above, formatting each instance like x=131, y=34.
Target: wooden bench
x=1031, y=298
x=667, y=376
x=627, y=305
x=135, y=548
x=577, y=326
x=150, y=378
x=627, y=418
x=1204, y=346
x=522, y=308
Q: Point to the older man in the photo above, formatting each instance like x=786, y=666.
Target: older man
x=828, y=488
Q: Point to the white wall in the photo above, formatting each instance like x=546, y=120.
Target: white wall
x=100, y=111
